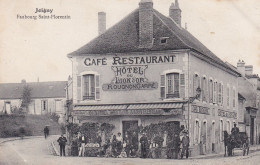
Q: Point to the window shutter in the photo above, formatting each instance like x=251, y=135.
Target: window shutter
x=97, y=87
x=182, y=86
x=162, y=86
x=222, y=97
x=206, y=90
x=78, y=88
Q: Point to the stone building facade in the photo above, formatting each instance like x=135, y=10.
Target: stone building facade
x=146, y=69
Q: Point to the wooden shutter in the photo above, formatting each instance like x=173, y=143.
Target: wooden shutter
x=78, y=88
x=97, y=87
x=182, y=86
x=206, y=90
x=162, y=86
x=222, y=97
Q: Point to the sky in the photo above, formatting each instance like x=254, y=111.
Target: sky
x=37, y=49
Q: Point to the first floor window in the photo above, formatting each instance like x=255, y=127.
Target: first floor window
x=172, y=80
x=88, y=87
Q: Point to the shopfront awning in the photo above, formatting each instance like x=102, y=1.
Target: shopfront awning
x=156, y=106
x=100, y=107
x=129, y=109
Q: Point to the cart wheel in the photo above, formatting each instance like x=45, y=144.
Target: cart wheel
x=244, y=149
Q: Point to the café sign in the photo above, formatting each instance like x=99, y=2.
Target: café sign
x=130, y=77
x=227, y=114
x=200, y=109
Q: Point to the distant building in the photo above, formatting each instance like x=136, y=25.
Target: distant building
x=144, y=70
x=249, y=84
x=47, y=97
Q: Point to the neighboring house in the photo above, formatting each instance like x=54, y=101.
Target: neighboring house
x=47, y=97
x=249, y=87
x=144, y=70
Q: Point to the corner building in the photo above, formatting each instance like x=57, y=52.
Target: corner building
x=145, y=69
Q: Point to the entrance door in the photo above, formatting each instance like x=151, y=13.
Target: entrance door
x=8, y=107
x=130, y=127
x=173, y=127
x=252, y=126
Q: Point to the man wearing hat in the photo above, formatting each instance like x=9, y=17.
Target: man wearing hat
x=235, y=130
x=185, y=144
x=62, y=142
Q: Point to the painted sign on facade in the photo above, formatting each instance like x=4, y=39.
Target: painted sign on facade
x=227, y=114
x=200, y=109
x=129, y=78
x=127, y=112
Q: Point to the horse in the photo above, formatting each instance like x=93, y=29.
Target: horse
x=229, y=144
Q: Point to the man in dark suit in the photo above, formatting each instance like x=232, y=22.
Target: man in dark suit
x=62, y=142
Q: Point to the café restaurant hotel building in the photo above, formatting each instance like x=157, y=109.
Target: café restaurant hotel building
x=148, y=69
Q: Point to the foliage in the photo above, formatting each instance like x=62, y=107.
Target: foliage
x=54, y=117
x=16, y=110
x=33, y=124
x=26, y=97
x=93, y=131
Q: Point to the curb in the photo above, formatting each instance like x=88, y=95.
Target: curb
x=18, y=138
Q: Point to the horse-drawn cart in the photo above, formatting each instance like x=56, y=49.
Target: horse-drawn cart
x=239, y=140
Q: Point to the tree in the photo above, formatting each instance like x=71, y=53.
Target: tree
x=26, y=97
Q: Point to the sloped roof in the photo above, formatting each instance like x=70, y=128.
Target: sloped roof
x=124, y=37
x=52, y=89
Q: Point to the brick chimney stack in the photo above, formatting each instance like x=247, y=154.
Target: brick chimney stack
x=145, y=24
x=101, y=22
x=241, y=67
x=175, y=12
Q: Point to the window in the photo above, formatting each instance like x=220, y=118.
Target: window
x=221, y=130
x=172, y=85
x=196, y=84
x=228, y=127
x=204, y=89
x=215, y=94
x=220, y=94
x=210, y=91
x=234, y=97
x=88, y=87
x=163, y=40
x=228, y=96
x=196, y=132
x=44, y=105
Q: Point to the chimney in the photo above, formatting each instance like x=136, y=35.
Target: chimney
x=175, y=12
x=146, y=24
x=241, y=67
x=249, y=69
x=101, y=22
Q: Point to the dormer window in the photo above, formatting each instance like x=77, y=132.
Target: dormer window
x=163, y=40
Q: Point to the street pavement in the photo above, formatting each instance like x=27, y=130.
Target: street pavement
x=38, y=151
